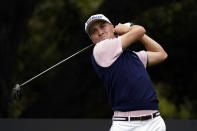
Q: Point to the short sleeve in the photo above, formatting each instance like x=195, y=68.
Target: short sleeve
x=107, y=51
x=143, y=57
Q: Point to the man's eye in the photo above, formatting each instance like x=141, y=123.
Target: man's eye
x=102, y=26
x=93, y=31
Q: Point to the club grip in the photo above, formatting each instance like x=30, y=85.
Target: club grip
x=129, y=24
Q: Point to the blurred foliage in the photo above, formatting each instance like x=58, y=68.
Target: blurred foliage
x=168, y=109
x=56, y=30
x=172, y=26
x=50, y=36
x=87, y=7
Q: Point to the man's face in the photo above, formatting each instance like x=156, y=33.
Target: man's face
x=101, y=30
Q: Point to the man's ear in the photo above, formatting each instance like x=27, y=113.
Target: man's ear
x=116, y=35
x=113, y=28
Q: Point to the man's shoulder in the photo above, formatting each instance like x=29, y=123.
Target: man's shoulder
x=107, y=51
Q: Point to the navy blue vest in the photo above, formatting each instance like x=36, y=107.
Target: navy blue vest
x=127, y=83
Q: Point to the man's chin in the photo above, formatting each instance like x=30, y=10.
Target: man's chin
x=104, y=38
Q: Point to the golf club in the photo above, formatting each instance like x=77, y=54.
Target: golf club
x=17, y=91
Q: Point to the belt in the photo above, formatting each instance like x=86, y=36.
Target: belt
x=140, y=118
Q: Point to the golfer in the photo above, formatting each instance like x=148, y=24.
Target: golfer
x=123, y=72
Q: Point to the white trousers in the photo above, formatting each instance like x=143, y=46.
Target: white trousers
x=156, y=124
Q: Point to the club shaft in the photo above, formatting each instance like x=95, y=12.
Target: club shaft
x=55, y=65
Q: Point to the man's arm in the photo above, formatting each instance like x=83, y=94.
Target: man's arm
x=155, y=52
x=129, y=34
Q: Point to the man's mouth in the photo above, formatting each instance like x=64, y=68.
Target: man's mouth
x=103, y=37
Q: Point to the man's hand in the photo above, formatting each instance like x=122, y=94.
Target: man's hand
x=121, y=29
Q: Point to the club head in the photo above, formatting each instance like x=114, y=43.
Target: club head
x=17, y=92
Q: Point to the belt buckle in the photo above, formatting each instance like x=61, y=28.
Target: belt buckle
x=152, y=116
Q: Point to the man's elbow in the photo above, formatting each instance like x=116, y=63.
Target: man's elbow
x=164, y=56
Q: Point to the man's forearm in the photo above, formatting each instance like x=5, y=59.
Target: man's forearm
x=129, y=34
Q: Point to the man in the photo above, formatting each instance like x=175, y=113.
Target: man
x=123, y=72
